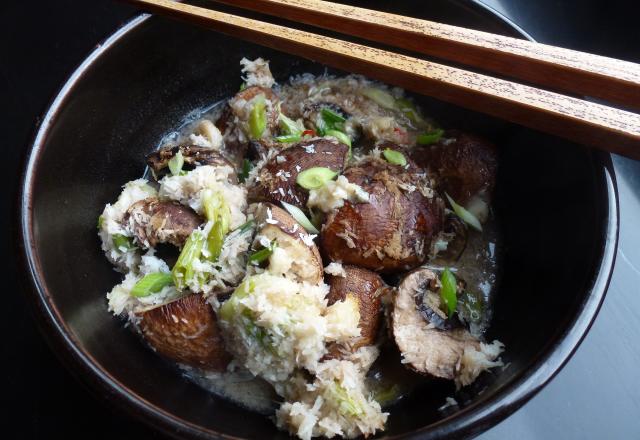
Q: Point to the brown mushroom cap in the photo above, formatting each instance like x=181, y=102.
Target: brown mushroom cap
x=192, y=154
x=154, y=221
x=394, y=230
x=288, y=233
x=464, y=164
x=425, y=348
x=277, y=179
x=186, y=331
x=366, y=287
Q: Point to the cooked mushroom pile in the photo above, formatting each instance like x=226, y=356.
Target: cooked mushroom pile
x=289, y=233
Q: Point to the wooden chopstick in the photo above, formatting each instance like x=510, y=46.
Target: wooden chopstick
x=588, y=123
x=556, y=68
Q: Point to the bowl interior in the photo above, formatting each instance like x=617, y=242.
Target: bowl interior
x=550, y=200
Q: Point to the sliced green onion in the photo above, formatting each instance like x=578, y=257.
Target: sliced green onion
x=258, y=117
x=288, y=138
x=246, y=169
x=243, y=86
x=100, y=222
x=430, y=138
x=346, y=404
x=151, y=283
x=122, y=241
x=299, y=216
x=384, y=396
x=259, y=256
x=288, y=126
x=331, y=117
x=340, y=136
x=394, y=157
x=314, y=178
x=381, y=97
x=183, y=270
x=465, y=215
x=230, y=307
x=245, y=227
x=448, y=291
x=410, y=111
x=176, y=163
x=215, y=240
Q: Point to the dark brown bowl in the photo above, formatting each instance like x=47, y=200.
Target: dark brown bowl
x=556, y=201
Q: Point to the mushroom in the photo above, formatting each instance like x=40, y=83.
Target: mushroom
x=430, y=342
x=451, y=242
x=276, y=180
x=295, y=254
x=393, y=231
x=154, y=221
x=193, y=156
x=366, y=287
x=186, y=331
x=464, y=165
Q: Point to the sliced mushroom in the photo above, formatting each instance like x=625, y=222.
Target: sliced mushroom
x=464, y=165
x=450, y=242
x=441, y=352
x=193, y=156
x=394, y=230
x=366, y=287
x=186, y=331
x=295, y=255
x=154, y=221
x=277, y=179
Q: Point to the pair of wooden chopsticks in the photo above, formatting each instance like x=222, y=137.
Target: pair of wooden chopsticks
x=573, y=72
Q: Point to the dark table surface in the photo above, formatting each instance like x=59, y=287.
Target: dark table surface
x=597, y=394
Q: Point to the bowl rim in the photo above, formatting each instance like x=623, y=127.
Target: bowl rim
x=468, y=421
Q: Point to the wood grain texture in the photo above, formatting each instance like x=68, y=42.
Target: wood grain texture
x=560, y=69
x=588, y=123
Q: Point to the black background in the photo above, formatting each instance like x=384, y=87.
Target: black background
x=597, y=395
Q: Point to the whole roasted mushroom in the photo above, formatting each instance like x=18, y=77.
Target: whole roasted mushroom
x=393, y=231
x=367, y=288
x=431, y=342
x=276, y=180
x=186, y=331
x=464, y=165
x=154, y=221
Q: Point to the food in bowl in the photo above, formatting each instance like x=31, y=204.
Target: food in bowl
x=285, y=242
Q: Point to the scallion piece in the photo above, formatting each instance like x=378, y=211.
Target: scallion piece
x=288, y=138
x=259, y=256
x=381, y=97
x=340, y=136
x=244, y=172
x=288, y=126
x=100, y=222
x=430, y=138
x=243, y=86
x=330, y=117
x=151, y=283
x=448, y=291
x=258, y=117
x=299, y=216
x=122, y=242
x=465, y=215
x=314, y=178
x=394, y=157
x=183, y=270
x=215, y=240
x=176, y=163
x=245, y=227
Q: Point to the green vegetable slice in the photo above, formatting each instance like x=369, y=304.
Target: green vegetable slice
x=151, y=283
x=258, y=117
x=288, y=138
x=381, y=97
x=176, y=163
x=122, y=241
x=288, y=126
x=448, y=291
x=183, y=270
x=244, y=172
x=100, y=222
x=330, y=117
x=430, y=138
x=347, y=404
x=215, y=240
x=340, y=136
x=232, y=305
x=394, y=157
x=465, y=215
x=259, y=256
x=300, y=217
x=410, y=111
x=314, y=178
x=245, y=227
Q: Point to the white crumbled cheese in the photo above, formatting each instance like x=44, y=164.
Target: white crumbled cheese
x=309, y=148
x=333, y=194
x=280, y=159
x=257, y=73
x=335, y=269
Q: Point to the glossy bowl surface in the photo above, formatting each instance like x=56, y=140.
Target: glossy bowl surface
x=556, y=202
